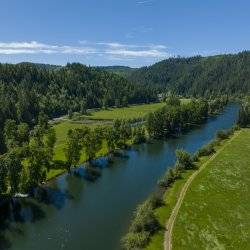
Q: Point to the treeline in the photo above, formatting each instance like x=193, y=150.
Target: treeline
x=199, y=76
x=244, y=113
x=30, y=154
x=26, y=90
x=91, y=141
x=145, y=223
x=175, y=118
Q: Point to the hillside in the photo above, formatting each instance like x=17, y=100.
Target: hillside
x=120, y=70
x=28, y=89
x=199, y=76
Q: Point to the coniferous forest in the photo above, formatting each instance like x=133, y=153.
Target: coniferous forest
x=199, y=76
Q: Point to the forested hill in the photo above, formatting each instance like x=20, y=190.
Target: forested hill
x=120, y=70
x=28, y=89
x=199, y=76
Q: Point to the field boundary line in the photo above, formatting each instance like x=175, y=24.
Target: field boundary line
x=170, y=222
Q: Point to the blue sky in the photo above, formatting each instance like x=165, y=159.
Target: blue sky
x=120, y=32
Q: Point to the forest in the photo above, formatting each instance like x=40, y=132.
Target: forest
x=198, y=76
x=26, y=90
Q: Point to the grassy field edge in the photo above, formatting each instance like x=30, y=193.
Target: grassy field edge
x=172, y=195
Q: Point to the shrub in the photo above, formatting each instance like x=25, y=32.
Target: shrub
x=184, y=159
x=144, y=219
x=206, y=150
x=156, y=200
x=135, y=240
x=223, y=134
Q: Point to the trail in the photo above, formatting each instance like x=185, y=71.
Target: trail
x=171, y=220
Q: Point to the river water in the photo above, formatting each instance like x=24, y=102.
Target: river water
x=82, y=215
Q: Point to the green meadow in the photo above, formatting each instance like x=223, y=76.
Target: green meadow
x=63, y=126
x=215, y=211
x=131, y=112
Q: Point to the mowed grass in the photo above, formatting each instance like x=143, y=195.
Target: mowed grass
x=215, y=213
x=131, y=112
x=163, y=213
x=63, y=127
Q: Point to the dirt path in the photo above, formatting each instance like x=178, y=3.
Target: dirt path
x=171, y=220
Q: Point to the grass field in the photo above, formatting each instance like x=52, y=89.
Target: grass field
x=131, y=112
x=163, y=213
x=215, y=211
x=62, y=128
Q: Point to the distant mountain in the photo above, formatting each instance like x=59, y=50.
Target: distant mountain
x=120, y=70
x=199, y=76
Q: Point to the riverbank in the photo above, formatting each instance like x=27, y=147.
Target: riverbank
x=173, y=197
x=222, y=191
x=69, y=215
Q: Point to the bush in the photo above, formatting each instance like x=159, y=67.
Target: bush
x=144, y=219
x=167, y=179
x=206, y=150
x=184, y=159
x=155, y=200
x=135, y=240
x=223, y=134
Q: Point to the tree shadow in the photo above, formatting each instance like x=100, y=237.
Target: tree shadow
x=51, y=196
x=16, y=210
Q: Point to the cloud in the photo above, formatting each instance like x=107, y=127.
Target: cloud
x=145, y=2
x=34, y=47
x=113, y=49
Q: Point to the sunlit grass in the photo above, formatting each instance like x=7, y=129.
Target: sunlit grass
x=215, y=211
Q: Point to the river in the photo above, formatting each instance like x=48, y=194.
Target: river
x=82, y=215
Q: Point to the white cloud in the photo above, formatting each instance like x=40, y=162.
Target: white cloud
x=120, y=50
x=145, y=1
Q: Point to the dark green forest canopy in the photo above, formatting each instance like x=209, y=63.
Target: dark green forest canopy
x=28, y=89
x=199, y=76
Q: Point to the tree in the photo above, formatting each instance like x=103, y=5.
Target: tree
x=43, y=121
x=3, y=175
x=14, y=165
x=244, y=115
x=173, y=101
x=93, y=143
x=83, y=109
x=10, y=134
x=139, y=135
x=110, y=138
x=73, y=148
x=22, y=133
x=50, y=140
x=37, y=162
x=184, y=159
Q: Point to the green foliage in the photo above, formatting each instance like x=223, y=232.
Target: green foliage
x=14, y=166
x=30, y=93
x=184, y=159
x=244, y=113
x=199, y=76
x=218, y=193
x=206, y=150
x=143, y=225
x=3, y=175
x=92, y=143
x=135, y=240
x=139, y=135
x=173, y=119
x=73, y=148
x=37, y=162
x=173, y=100
x=223, y=134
